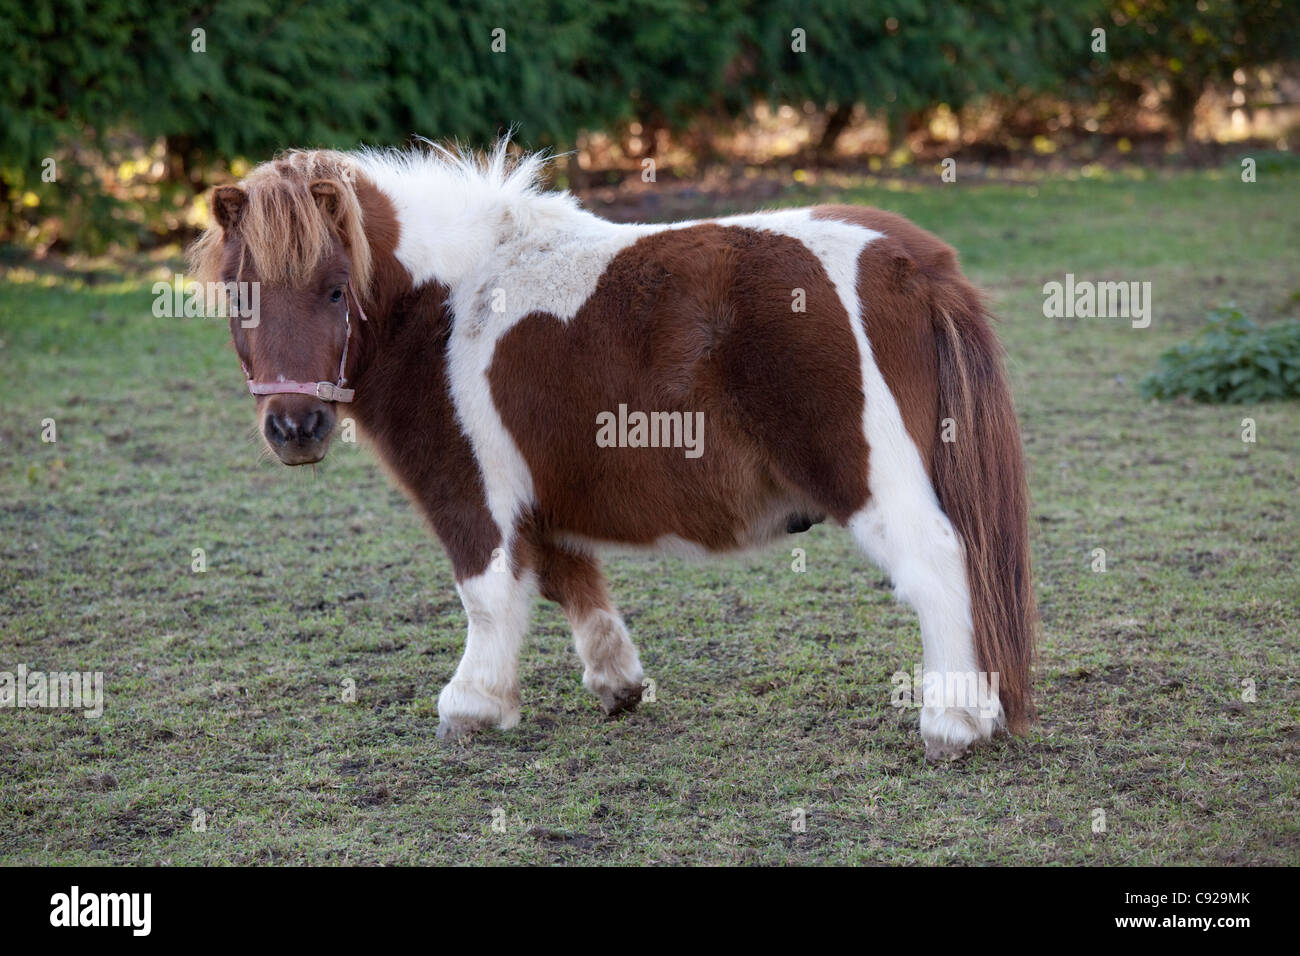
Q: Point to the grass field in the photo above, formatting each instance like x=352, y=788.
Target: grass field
x=224, y=689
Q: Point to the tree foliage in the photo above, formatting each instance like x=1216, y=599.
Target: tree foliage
x=905, y=55
x=1183, y=45
x=216, y=81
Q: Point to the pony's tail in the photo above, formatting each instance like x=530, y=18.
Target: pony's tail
x=979, y=477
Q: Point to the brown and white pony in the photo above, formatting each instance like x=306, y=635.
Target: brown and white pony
x=497, y=342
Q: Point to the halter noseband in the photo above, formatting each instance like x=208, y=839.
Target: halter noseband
x=325, y=391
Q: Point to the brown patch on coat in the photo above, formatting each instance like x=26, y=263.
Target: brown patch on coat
x=691, y=320
x=403, y=401
x=571, y=578
x=894, y=275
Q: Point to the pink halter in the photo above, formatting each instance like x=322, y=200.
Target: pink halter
x=325, y=391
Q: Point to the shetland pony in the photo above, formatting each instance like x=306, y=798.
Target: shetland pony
x=528, y=373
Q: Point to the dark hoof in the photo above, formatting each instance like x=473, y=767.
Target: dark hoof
x=456, y=731
x=621, y=701
x=944, y=753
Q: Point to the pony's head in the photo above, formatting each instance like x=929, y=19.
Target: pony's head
x=289, y=237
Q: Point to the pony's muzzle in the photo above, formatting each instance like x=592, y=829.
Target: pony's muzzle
x=298, y=430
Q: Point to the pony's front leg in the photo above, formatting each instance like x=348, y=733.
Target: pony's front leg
x=484, y=691
x=611, y=667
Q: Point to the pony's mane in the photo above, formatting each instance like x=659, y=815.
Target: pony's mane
x=283, y=229
x=496, y=177
x=286, y=234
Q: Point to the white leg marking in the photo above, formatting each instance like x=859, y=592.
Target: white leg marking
x=913, y=541
x=484, y=691
x=611, y=666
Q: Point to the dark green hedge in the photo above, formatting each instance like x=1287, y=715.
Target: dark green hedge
x=343, y=71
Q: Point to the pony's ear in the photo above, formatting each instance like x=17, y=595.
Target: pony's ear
x=329, y=197
x=228, y=204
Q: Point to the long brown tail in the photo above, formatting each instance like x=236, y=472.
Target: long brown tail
x=980, y=481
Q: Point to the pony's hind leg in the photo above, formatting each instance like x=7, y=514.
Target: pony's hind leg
x=611, y=665
x=484, y=691
x=914, y=542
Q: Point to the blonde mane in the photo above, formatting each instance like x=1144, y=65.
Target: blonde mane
x=283, y=228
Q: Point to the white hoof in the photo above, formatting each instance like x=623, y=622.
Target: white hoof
x=949, y=732
x=464, y=707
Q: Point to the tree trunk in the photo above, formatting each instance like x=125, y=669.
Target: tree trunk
x=184, y=162
x=836, y=122
x=1182, y=109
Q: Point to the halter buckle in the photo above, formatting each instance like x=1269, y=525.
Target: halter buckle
x=329, y=392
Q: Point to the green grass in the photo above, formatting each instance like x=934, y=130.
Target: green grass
x=224, y=687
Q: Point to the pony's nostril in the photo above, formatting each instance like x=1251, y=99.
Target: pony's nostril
x=317, y=426
x=275, y=430
x=282, y=429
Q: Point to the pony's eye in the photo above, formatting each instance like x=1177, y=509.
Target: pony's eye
x=336, y=295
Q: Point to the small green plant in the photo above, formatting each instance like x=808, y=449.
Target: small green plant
x=1231, y=360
